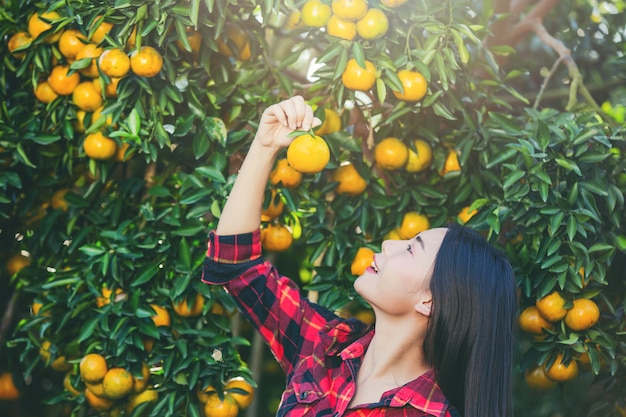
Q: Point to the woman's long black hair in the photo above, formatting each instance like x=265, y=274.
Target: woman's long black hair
x=470, y=340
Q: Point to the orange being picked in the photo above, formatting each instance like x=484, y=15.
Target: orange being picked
x=146, y=62
x=315, y=13
x=452, y=163
x=419, y=159
x=99, y=147
x=561, y=372
x=161, y=316
x=349, y=10
x=285, y=175
x=71, y=42
x=308, y=154
x=331, y=123
x=114, y=63
x=362, y=260
x=99, y=29
x=536, y=378
x=583, y=314
x=465, y=215
x=216, y=407
x=391, y=154
x=412, y=224
x=38, y=23
x=274, y=207
x=19, y=40
x=185, y=309
x=241, y=391
x=340, y=28
x=45, y=93
x=61, y=81
x=93, y=367
x=414, y=86
x=530, y=321
x=349, y=179
x=117, y=383
x=276, y=238
x=373, y=25
x=551, y=307
x=16, y=263
x=355, y=77
x=91, y=52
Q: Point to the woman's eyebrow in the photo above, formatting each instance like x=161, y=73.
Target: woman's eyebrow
x=419, y=240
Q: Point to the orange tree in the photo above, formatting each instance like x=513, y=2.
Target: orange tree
x=123, y=126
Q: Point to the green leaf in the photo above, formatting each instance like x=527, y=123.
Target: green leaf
x=358, y=53
x=92, y=250
x=145, y=274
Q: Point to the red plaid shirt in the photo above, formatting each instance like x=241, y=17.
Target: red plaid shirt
x=320, y=352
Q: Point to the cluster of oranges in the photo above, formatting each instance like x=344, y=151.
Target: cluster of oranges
x=89, y=71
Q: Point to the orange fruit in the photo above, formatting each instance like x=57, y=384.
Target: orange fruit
x=393, y=234
x=419, y=159
x=536, y=378
x=392, y=3
x=148, y=344
x=452, y=163
x=349, y=179
x=239, y=38
x=19, y=40
x=331, y=123
x=97, y=115
x=8, y=390
x=465, y=215
x=276, y=238
x=99, y=29
x=241, y=391
x=58, y=199
x=531, y=321
x=110, y=89
x=391, y=154
x=583, y=314
x=98, y=403
x=561, y=372
x=71, y=42
x=45, y=93
x=148, y=395
x=373, y=25
x=274, y=208
x=105, y=299
x=69, y=385
x=294, y=20
x=285, y=175
x=97, y=146
x=342, y=29
x=162, y=316
x=203, y=395
x=117, y=383
x=355, y=77
x=308, y=154
x=16, y=263
x=120, y=154
x=215, y=407
x=315, y=13
x=114, y=63
x=35, y=308
x=93, y=368
x=140, y=383
x=362, y=260
x=367, y=316
x=61, y=82
x=414, y=86
x=92, y=52
x=38, y=23
x=146, y=62
x=183, y=309
x=86, y=97
x=194, y=38
x=349, y=10
x=551, y=307
x=412, y=224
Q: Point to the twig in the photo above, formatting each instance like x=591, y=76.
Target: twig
x=546, y=80
x=7, y=318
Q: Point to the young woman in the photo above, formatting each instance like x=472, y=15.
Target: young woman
x=445, y=304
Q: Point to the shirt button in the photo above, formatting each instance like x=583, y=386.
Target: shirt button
x=303, y=395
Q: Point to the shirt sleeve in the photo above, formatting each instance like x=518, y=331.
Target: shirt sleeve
x=286, y=320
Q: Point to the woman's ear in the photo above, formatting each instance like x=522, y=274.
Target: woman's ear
x=424, y=306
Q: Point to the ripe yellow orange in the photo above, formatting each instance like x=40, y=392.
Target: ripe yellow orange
x=117, y=383
x=561, y=372
x=452, y=163
x=583, y=314
x=141, y=383
x=71, y=42
x=331, y=123
x=93, y=367
x=91, y=52
x=373, y=25
x=105, y=299
x=98, y=118
x=536, y=378
x=215, y=407
x=120, y=154
x=184, y=309
x=45, y=93
x=419, y=159
x=392, y=3
x=114, y=63
x=61, y=81
x=19, y=40
x=530, y=321
x=148, y=395
x=391, y=154
x=131, y=42
x=38, y=23
x=349, y=10
x=294, y=20
x=99, y=29
x=98, y=403
x=414, y=86
x=551, y=307
x=97, y=146
x=412, y=224
x=276, y=238
x=393, y=234
x=86, y=97
x=314, y=13
x=58, y=200
x=194, y=38
x=146, y=62
x=204, y=394
x=239, y=38
x=362, y=260
x=308, y=154
x=110, y=89
x=340, y=28
x=465, y=215
x=8, y=390
x=349, y=179
x=16, y=263
x=285, y=175
x=241, y=391
x=161, y=317
x=68, y=384
x=274, y=207
x=355, y=77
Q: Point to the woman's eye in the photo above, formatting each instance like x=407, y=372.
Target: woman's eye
x=410, y=249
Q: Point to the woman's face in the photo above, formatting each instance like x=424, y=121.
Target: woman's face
x=399, y=277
